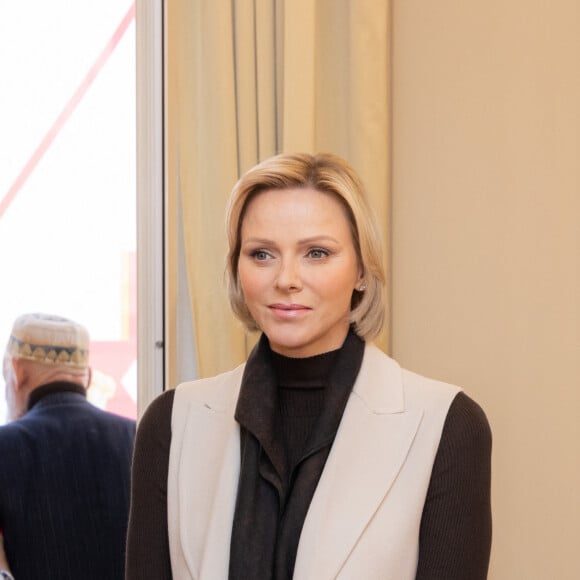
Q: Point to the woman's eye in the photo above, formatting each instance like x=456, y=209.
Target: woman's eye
x=260, y=255
x=318, y=253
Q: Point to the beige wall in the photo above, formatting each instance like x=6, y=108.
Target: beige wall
x=486, y=253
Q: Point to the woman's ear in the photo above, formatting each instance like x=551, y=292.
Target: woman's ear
x=361, y=284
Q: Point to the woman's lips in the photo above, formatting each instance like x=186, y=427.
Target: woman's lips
x=288, y=311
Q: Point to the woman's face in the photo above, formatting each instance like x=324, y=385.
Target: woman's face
x=298, y=268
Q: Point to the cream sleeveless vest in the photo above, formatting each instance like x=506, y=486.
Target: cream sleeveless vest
x=364, y=518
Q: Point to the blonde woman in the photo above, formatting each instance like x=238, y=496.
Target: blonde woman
x=319, y=457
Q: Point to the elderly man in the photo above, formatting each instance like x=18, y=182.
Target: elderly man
x=64, y=464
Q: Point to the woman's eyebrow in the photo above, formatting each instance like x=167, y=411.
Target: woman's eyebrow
x=303, y=241
x=263, y=241
x=320, y=238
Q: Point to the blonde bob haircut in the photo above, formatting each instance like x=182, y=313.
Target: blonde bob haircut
x=325, y=173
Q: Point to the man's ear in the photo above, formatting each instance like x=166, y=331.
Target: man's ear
x=20, y=373
x=89, y=377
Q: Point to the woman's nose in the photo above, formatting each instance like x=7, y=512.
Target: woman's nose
x=289, y=278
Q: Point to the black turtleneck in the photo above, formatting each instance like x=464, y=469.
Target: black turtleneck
x=302, y=385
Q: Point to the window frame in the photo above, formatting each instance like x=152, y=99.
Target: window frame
x=150, y=203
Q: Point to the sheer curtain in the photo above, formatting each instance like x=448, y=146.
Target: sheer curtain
x=247, y=79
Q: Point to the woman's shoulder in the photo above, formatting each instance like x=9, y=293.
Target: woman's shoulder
x=158, y=409
x=420, y=391
x=464, y=414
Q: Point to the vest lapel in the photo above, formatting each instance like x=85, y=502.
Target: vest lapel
x=207, y=496
x=370, y=447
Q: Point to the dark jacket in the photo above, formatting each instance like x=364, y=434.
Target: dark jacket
x=64, y=488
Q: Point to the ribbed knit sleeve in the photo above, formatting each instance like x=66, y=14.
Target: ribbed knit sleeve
x=147, y=538
x=455, y=536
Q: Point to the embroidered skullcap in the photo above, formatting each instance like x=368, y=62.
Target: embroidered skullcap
x=49, y=339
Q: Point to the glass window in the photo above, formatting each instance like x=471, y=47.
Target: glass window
x=67, y=179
